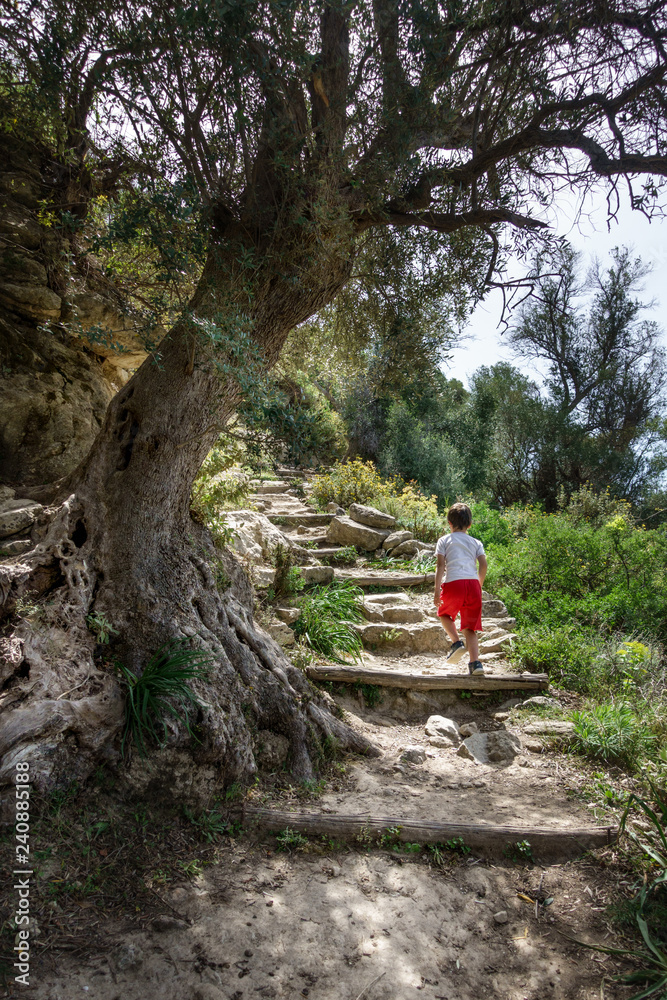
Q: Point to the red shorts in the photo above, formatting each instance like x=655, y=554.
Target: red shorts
x=464, y=596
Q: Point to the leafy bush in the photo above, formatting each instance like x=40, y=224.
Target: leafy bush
x=219, y=486
x=326, y=618
x=360, y=482
x=151, y=696
x=415, y=452
x=614, y=734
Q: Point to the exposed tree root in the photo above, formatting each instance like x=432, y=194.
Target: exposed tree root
x=61, y=699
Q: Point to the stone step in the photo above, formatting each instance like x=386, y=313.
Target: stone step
x=344, y=674
x=294, y=520
x=273, y=486
x=383, y=578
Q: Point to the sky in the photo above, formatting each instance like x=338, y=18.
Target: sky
x=484, y=342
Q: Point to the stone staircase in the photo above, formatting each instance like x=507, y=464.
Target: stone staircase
x=404, y=642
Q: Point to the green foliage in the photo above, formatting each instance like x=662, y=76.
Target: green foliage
x=101, y=628
x=614, y=734
x=415, y=452
x=360, y=482
x=372, y=693
x=161, y=691
x=288, y=579
x=289, y=840
x=211, y=823
x=220, y=485
x=458, y=846
x=326, y=619
x=520, y=851
x=346, y=556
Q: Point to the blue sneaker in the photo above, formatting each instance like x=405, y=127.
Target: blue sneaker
x=456, y=652
x=476, y=669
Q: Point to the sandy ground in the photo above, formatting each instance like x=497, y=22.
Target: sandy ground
x=262, y=924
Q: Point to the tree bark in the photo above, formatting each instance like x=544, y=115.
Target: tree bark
x=121, y=543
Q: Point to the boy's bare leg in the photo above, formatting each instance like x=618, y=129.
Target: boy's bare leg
x=449, y=627
x=471, y=643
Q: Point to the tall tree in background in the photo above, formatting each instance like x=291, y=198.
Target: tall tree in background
x=301, y=127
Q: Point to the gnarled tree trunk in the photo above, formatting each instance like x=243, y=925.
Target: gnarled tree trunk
x=120, y=542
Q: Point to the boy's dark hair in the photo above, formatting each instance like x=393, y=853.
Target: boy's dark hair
x=459, y=515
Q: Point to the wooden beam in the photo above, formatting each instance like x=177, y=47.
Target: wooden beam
x=427, y=682
x=489, y=838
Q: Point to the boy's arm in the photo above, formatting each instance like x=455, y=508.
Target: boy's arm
x=439, y=573
x=483, y=566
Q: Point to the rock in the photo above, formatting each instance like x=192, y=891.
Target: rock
x=468, y=728
x=165, y=922
x=506, y=624
x=501, y=917
x=346, y=531
x=501, y=716
x=35, y=302
x=497, y=645
x=333, y=508
x=405, y=549
x=6, y=493
x=20, y=227
x=491, y=748
x=119, y=342
x=128, y=956
x=402, y=616
x=15, y=548
x=413, y=755
x=385, y=578
x=439, y=725
x=255, y=538
x=541, y=701
x=442, y=742
x=271, y=750
x=534, y=746
x=492, y=607
x=263, y=576
x=422, y=637
x=271, y=486
x=317, y=574
x=509, y=703
x=550, y=727
x=281, y=633
x=213, y=977
x=288, y=615
x=396, y=537
x=387, y=599
x=370, y=516
x=17, y=515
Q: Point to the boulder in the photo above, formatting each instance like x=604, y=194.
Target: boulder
x=334, y=508
x=17, y=515
x=317, y=574
x=438, y=725
x=288, y=615
x=370, y=516
x=442, y=742
x=492, y=607
x=346, y=531
x=413, y=755
x=34, y=302
x=497, y=645
x=281, y=633
x=408, y=548
x=491, y=748
x=256, y=538
x=395, y=538
x=388, y=599
x=422, y=637
x=468, y=728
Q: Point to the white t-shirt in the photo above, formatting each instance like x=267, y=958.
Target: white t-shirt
x=461, y=553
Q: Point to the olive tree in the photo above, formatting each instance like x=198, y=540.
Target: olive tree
x=301, y=127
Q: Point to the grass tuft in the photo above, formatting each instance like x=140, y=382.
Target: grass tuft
x=326, y=620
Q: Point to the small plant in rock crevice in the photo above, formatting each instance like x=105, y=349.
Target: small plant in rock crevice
x=161, y=690
x=101, y=627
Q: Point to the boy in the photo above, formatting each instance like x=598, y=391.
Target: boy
x=459, y=555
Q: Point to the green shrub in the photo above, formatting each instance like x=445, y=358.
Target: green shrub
x=360, y=482
x=614, y=734
x=326, y=619
x=161, y=690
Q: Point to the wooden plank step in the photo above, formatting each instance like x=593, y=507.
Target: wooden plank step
x=489, y=838
x=384, y=578
x=308, y=520
x=427, y=682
